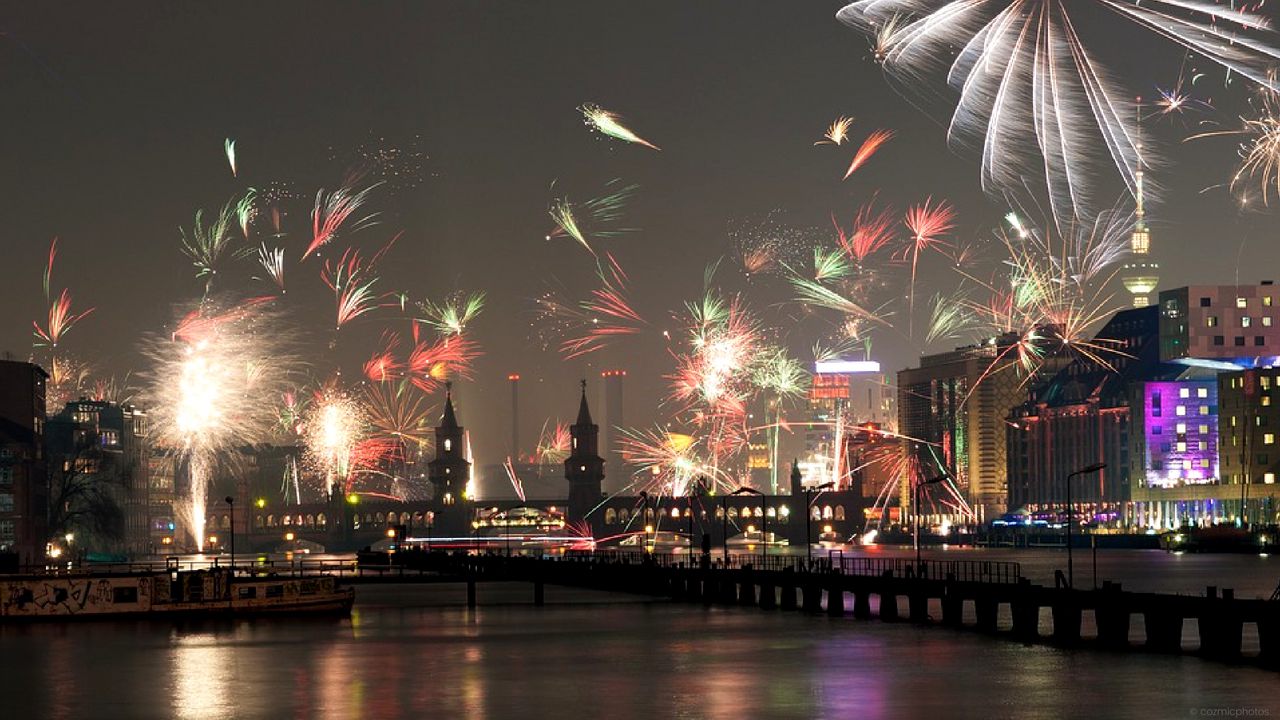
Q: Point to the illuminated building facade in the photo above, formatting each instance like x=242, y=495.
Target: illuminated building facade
x=1249, y=425
x=1220, y=326
x=108, y=442
x=954, y=408
x=843, y=394
x=1082, y=416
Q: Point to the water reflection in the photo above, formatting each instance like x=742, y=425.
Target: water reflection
x=204, y=672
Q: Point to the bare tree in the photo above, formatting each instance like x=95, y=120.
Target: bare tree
x=86, y=490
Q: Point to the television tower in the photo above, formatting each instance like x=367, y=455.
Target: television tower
x=1141, y=274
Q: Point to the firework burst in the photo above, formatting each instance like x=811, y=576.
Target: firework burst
x=868, y=148
x=212, y=389
x=837, y=132
x=339, y=211
x=1031, y=99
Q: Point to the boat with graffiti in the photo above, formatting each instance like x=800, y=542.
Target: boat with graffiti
x=171, y=593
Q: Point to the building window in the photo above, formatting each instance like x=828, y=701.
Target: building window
x=6, y=502
x=1269, y=478
x=1184, y=392
x=1266, y=400
x=1186, y=464
x=1246, y=321
x=1155, y=400
x=1202, y=446
x=1180, y=410
x=1205, y=302
x=1265, y=382
x=1219, y=340
x=1182, y=446
x=1204, y=409
x=1268, y=439
x=448, y=445
x=1156, y=430
x=1204, y=429
x=1241, y=302
x=1181, y=428
x=1239, y=341
x=1211, y=321
x=1266, y=321
x=1266, y=301
x=1202, y=392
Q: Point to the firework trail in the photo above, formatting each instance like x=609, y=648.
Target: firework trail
x=272, y=261
x=208, y=245
x=60, y=318
x=553, y=442
x=927, y=223
x=837, y=132
x=229, y=146
x=1029, y=95
x=1259, y=147
x=949, y=318
x=515, y=481
x=333, y=213
x=871, y=231
x=351, y=279
x=383, y=365
x=829, y=265
x=868, y=148
x=246, y=211
x=595, y=218
x=451, y=316
x=605, y=315
x=212, y=388
x=610, y=124
x=431, y=363
x=668, y=463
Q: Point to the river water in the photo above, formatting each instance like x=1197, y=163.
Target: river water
x=417, y=651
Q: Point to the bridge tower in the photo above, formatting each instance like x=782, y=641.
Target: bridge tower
x=584, y=468
x=449, y=472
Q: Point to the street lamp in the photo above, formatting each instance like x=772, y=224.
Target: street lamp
x=812, y=495
x=916, y=498
x=1086, y=470
x=764, y=519
x=231, y=578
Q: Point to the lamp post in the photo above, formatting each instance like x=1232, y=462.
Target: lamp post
x=644, y=499
x=916, y=499
x=1086, y=470
x=811, y=495
x=231, y=578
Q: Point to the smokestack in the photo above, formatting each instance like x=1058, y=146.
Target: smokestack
x=514, y=449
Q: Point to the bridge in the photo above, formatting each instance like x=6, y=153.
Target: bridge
x=941, y=593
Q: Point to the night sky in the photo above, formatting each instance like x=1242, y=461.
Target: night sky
x=115, y=115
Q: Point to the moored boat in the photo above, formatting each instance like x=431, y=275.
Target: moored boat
x=173, y=593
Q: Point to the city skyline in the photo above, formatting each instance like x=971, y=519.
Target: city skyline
x=147, y=141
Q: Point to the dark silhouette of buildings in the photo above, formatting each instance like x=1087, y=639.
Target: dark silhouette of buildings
x=584, y=468
x=23, y=473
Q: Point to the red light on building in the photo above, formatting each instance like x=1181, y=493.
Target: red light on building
x=613, y=373
x=513, y=377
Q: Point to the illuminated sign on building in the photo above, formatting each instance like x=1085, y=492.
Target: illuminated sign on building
x=846, y=366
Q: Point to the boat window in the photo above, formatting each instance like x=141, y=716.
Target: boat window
x=248, y=593
x=124, y=594
x=275, y=591
x=610, y=516
x=320, y=520
x=839, y=512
